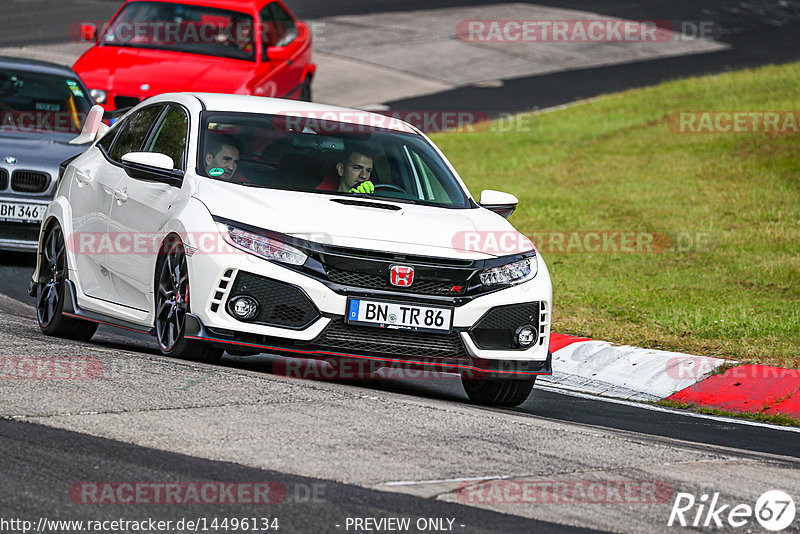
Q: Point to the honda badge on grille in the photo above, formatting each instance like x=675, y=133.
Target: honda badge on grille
x=401, y=275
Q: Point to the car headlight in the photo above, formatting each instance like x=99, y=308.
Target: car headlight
x=511, y=273
x=263, y=246
x=98, y=95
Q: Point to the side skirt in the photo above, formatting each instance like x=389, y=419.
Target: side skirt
x=71, y=309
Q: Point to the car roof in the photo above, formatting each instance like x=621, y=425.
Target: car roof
x=279, y=106
x=33, y=65
x=233, y=5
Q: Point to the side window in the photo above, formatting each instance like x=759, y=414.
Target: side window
x=134, y=132
x=108, y=139
x=171, y=136
x=432, y=188
x=420, y=177
x=277, y=27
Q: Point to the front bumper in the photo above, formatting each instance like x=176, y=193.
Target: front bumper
x=22, y=236
x=319, y=349
x=322, y=332
x=19, y=237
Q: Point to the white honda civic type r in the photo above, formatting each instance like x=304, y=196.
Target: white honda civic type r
x=255, y=225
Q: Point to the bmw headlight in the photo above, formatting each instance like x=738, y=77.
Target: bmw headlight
x=511, y=273
x=98, y=95
x=263, y=246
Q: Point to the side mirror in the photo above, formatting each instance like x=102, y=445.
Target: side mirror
x=88, y=32
x=501, y=203
x=153, y=167
x=93, y=126
x=278, y=53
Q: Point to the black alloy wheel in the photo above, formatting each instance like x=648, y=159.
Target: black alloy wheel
x=172, y=305
x=51, y=292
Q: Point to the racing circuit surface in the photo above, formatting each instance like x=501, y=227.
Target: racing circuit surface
x=167, y=420
x=341, y=450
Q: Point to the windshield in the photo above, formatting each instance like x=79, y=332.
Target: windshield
x=183, y=28
x=36, y=102
x=327, y=157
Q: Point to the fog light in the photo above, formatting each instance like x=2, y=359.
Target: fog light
x=243, y=307
x=525, y=336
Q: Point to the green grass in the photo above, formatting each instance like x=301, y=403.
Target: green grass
x=614, y=164
x=775, y=419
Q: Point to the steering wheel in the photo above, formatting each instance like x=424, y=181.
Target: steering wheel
x=391, y=187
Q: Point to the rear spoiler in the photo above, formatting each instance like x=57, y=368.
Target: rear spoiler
x=94, y=127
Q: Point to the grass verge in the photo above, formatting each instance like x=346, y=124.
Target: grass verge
x=722, y=276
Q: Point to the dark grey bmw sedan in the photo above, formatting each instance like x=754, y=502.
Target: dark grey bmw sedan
x=42, y=108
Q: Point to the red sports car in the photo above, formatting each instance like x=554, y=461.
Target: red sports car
x=246, y=47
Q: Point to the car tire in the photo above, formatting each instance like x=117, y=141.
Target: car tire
x=305, y=90
x=503, y=392
x=172, y=303
x=51, y=292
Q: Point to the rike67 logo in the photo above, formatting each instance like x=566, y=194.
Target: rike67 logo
x=774, y=510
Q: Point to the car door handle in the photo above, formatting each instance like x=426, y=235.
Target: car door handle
x=121, y=196
x=83, y=177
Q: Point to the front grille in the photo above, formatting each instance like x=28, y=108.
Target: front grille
x=496, y=329
x=30, y=181
x=3, y=179
x=19, y=231
x=122, y=102
x=384, y=341
x=281, y=304
x=363, y=254
x=373, y=281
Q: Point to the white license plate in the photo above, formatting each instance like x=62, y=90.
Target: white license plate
x=18, y=211
x=400, y=316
